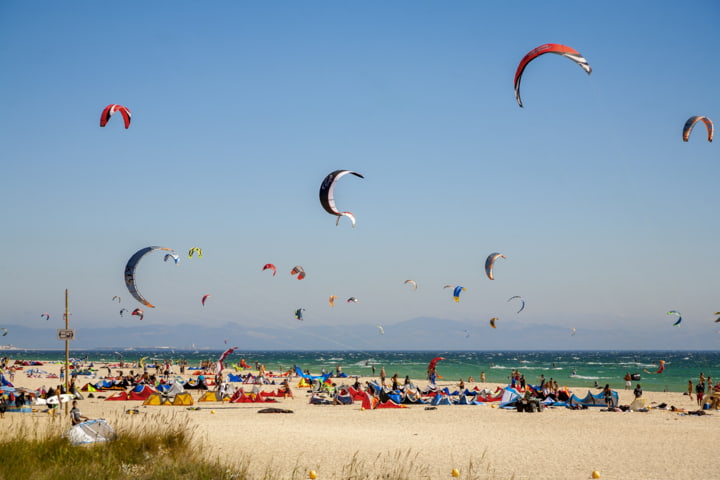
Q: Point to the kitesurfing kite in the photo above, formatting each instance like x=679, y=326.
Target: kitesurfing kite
x=676, y=313
x=5, y=332
x=448, y=286
x=411, y=282
x=381, y=329
x=299, y=271
x=717, y=320
x=327, y=199
x=205, y=297
x=467, y=334
x=492, y=322
x=432, y=368
x=123, y=311
x=573, y=331
x=220, y=366
x=691, y=123
x=270, y=266
x=110, y=110
x=130, y=273
x=660, y=369
x=46, y=316
x=456, y=292
x=332, y=299
x=117, y=298
x=522, y=305
x=172, y=256
x=139, y=312
x=490, y=262
x=298, y=313
x=352, y=300
x=555, y=48
x=195, y=250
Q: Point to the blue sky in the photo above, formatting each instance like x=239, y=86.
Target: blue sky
x=608, y=220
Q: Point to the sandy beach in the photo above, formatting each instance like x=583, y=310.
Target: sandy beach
x=481, y=441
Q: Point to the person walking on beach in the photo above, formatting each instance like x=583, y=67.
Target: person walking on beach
x=482, y=377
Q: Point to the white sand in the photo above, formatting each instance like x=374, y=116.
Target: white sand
x=558, y=443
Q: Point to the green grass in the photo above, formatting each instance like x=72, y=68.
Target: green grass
x=141, y=451
x=163, y=447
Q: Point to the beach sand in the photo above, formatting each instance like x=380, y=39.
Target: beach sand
x=480, y=441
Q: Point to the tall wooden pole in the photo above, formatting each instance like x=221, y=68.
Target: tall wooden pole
x=67, y=350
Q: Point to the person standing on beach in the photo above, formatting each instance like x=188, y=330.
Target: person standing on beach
x=628, y=381
x=382, y=376
x=638, y=391
x=609, y=400
x=482, y=377
x=700, y=393
x=690, y=389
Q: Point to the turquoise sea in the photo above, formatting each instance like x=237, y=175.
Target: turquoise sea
x=588, y=366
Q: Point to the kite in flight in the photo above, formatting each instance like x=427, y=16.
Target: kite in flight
x=270, y=266
x=327, y=199
x=205, y=297
x=456, y=292
x=332, y=299
x=122, y=311
x=171, y=256
x=298, y=313
x=381, y=329
x=110, y=110
x=352, y=300
x=45, y=315
x=411, y=282
x=299, y=271
x=522, y=305
x=139, y=312
x=117, y=298
x=492, y=322
x=194, y=250
x=130, y=273
x=691, y=123
x=660, y=369
x=555, y=48
x=490, y=262
x=5, y=332
x=676, y=313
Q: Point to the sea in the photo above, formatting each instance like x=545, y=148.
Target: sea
x=575, y=369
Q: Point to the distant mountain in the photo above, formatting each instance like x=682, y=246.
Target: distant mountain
x=423, y=333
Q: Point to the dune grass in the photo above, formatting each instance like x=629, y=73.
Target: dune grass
x=41, y=452
x=164, y=447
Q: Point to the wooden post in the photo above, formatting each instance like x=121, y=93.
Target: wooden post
x=67, y=351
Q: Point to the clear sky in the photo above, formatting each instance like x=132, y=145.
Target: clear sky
x=240, y=109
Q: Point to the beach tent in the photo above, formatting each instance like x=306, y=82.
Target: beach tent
x=118, y=396
x=157, y=399
x=90, y=431
x=210, y=396
x=140, y=392
x=88, y=387
x=182, y=399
